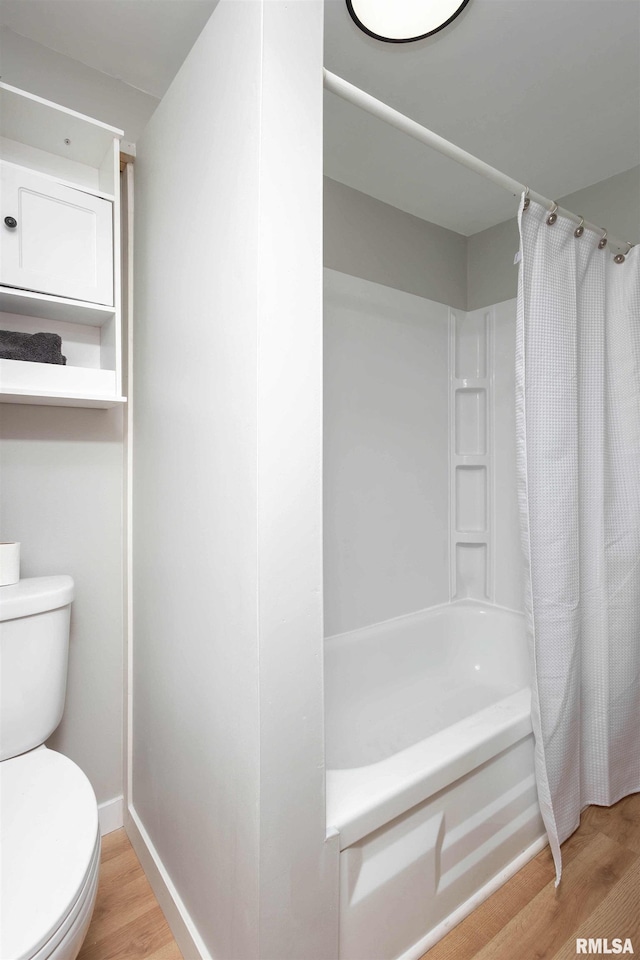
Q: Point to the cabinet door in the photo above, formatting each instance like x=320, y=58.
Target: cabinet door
x=61, y=243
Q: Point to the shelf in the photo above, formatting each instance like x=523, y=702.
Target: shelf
x=61, y=400
x=47, y=126
x=469, y=459
x=57, y=384
x=28, y=304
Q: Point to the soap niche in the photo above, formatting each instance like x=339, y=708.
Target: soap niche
x=471, y=346
x=471, y=422
x=471, y=499
x=471, y=571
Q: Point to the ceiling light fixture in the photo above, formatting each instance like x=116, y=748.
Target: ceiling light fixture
x=404, y=20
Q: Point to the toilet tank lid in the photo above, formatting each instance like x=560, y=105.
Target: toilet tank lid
x=34, y=595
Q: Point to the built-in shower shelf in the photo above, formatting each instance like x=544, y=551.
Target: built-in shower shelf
x=469, y=383
x=470, y=457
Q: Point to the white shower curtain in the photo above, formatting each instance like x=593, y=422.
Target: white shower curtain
x=578, y=443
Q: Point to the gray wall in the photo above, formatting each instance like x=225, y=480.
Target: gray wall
x=492, y=277
x=375, y=241
x=366, y=238
x=227, y=567
x=62, y=499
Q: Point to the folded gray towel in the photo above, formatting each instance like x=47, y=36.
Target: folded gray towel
x=35, y=347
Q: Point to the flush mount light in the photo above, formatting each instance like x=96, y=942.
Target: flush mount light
x=402, y=21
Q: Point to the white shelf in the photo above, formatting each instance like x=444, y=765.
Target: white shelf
x=24, y=376
x=47, y=126
x=29, y=304
x=57, y=384
x=61, y=400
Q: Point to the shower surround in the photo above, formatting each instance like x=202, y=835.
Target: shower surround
x=430, y=778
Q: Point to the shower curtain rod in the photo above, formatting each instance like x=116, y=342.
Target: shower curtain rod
x=352, y=94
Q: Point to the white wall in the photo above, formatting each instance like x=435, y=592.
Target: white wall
x=62, y=499
x=227, y=655
x=386, y=526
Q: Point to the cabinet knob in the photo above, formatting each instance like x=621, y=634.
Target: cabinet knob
x=11, y=222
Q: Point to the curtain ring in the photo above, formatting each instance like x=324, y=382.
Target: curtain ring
x=553, y=216
x=603, y=241
x=527, y=199
x=621, y=257
x=579, y=230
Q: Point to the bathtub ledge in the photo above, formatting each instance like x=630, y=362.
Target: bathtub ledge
x=363, y=799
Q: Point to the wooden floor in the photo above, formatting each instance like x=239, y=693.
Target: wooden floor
x=527, y=919
x=127, y=922
x=599, y=896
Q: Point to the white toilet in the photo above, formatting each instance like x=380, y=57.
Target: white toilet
x=50, y=850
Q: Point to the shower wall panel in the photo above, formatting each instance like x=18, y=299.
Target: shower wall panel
x=386, y=497
x=419, y=454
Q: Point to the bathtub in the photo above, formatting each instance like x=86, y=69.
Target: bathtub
x=430, y=778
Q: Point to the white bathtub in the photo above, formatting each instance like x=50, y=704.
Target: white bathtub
x=430, y=780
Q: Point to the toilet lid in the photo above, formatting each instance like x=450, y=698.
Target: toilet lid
x=48, y=831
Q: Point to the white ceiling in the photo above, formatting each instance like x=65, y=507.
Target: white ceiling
x=546, y=90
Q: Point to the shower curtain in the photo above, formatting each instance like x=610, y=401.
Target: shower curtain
x=578, y=448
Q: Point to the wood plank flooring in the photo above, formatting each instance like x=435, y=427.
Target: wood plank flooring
x=127, y=922
x=599, y=897
x=527, y=919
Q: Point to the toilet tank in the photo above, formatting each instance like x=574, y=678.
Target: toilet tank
x=34, y=645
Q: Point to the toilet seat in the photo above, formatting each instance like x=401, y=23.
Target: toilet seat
x=68, y=938
x=50, y=847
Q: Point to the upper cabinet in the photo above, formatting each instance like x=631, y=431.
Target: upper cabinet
x=60, y=250
x=55, y=239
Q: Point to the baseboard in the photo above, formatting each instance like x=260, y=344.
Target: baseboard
x=420, y=948
x=182, y=926
x=111, y=815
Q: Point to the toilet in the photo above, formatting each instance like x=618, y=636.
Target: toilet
x=50, y=840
